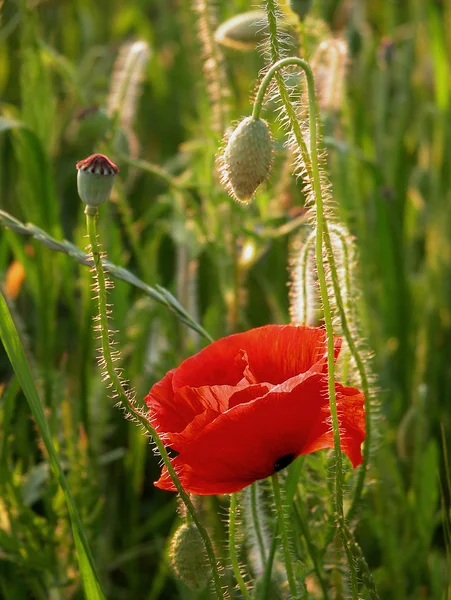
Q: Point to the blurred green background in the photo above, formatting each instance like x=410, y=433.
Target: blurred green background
x=171, y=224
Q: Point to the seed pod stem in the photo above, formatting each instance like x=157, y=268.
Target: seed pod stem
x=126, y=395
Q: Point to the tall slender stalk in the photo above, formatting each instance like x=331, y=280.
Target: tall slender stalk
x=126, y=396
x=321, y=240
x=308, y=163
x=283, y=529
x=232, y=547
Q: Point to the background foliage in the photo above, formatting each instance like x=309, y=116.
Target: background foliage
x=389, y=151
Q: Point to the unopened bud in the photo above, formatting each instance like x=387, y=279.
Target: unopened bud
x=301, y=7
x=95, y=179
x=247, y=159
x=247, y=30
x=188, y=557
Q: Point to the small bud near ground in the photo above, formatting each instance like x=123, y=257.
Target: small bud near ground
x=247, y=159
x=188, y=557
x=95, y=179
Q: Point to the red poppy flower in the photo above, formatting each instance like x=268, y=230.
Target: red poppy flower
x=248, y=405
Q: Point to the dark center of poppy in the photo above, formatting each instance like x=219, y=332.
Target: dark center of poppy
x=283, y=462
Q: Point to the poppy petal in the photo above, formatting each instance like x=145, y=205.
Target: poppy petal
x=164, y=412
x=206, y=396
x=245, y=443
x=274, y=353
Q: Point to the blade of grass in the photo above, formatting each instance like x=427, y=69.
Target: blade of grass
x=19, y=362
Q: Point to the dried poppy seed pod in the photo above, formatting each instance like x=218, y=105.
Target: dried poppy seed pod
x=95, y=179
x=247, y=159
x=188, y=558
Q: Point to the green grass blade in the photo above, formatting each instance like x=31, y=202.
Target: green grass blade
x=19, y=362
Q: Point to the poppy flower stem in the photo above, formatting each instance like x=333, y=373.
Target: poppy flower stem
x=311, y=163
x=310, y=160
x=125, y=394
x=283, y=529
x=232, y=547
x=256, y=522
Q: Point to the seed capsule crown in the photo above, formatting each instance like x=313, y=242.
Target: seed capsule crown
x=95, y=179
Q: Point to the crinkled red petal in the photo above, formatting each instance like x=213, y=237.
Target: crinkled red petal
x=275, y=353
x=243, y=444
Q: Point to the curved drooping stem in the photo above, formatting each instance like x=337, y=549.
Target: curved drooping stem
x=314, y=176
x=319, y=242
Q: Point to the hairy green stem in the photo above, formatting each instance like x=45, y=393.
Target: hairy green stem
x=297, y=132
x=311, y=161
x=269, y=564
x=283, y=529
x=319, y=241
x=256, y=522
x=232, y=547
x=303, y=522
x=125, y=394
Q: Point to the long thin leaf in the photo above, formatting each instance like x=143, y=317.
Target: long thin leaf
x=19, y=362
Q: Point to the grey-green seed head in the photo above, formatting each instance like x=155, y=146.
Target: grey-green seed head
x=247, y=159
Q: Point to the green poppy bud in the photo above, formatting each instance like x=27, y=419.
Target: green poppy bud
x=301, y=7
x=95, y=179
x=188, y=557
x=247, y=30
x=247, y=159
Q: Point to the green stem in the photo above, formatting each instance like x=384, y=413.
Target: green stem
x=232, y=547
x=125, y=395
x=320, y=235
x=313, y=177
x=269, y=564
x=303, y=522
x=283, y=529
x=322, y=238
x=256, y=522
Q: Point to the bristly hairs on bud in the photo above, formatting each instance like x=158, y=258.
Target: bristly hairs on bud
x=244, y=31
x=188, y=557
x=247, y=31
x=214, y=71
x=129, y=70
x=246, y=158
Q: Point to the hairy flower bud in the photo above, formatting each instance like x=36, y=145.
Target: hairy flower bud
x=95, y=179
x=247, y=159
x=188, y=558
x=249, y=29
x=301, y=7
